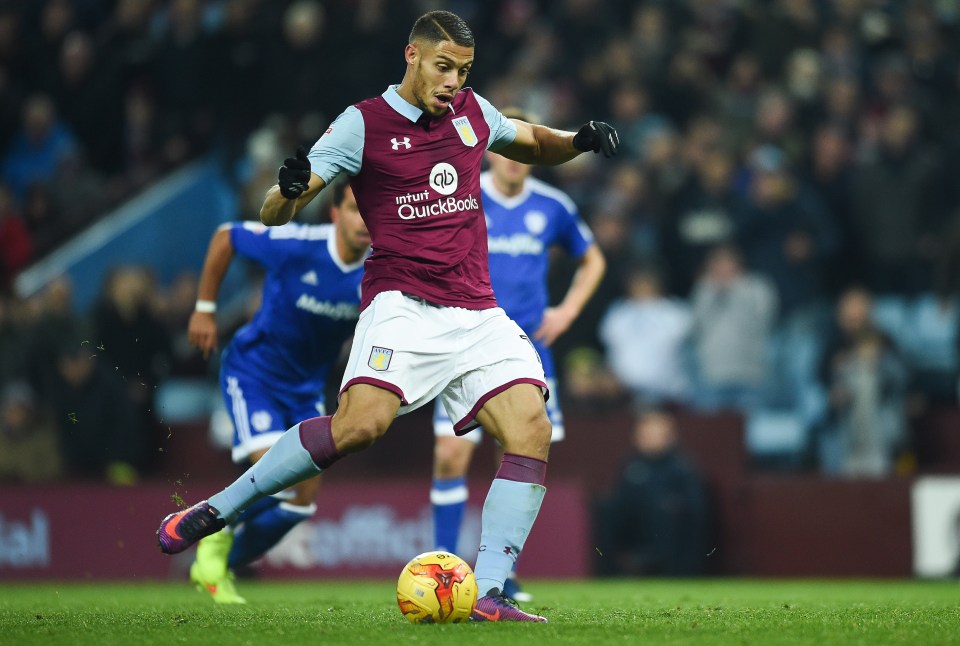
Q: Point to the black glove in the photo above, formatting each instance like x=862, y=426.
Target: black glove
x=295, y=175
x=598, y=137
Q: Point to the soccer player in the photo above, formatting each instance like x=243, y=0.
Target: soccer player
x=274, y=371
x=429, y=324
x=525, y=219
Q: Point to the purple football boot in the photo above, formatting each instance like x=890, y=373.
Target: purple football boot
x=180, y=530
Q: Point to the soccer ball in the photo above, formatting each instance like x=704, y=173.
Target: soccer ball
x=436, y=588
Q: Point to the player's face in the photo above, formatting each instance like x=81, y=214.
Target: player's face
x=438, y=71
x=350, y=226
x=506, y=171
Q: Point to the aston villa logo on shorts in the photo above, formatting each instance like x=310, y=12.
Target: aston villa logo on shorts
x=380, y=358
x=465, y=130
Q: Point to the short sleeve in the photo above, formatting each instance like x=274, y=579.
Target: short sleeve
x=575, y=237
x=502, y=130
x=573, y=234
x=340, y=149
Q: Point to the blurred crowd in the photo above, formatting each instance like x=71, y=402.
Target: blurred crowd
x=781, y=227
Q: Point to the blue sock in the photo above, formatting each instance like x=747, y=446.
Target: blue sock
x=449, y=499
x=254, y=537
x=256, y=509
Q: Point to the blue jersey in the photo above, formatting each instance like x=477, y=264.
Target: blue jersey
x=310, y=306
x=520, y=231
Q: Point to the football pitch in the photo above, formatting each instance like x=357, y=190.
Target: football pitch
x=713, y=611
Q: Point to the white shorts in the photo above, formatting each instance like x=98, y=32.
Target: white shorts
x=422, y=351
x=443, y=427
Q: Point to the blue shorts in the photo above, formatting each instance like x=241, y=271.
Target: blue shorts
x=258, y=414
x=443, y=426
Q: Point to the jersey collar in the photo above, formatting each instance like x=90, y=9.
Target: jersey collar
x=507, y=202
x=401, y=106
x=337, y=260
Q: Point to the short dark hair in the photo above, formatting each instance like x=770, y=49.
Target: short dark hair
x=339, y=186
x=437, y=26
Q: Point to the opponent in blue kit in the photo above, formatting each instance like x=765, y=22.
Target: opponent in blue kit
x=525, y=219
x=274, y=371
x=429, y=326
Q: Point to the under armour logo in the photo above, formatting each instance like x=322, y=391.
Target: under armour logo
x=405, y=142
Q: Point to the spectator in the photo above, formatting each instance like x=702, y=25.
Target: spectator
x=184, y=78
x=685, y=88
x=14, y=340
x=29, y=451
x=12, y=57
x=785, y=232
x=39, y=148
x=656, y=521
x=44, y=219
x=734, y=313
x=830, y=173
x=16, y=245
x=740, y=96
x=866, y=380
x=897, y=207
x=630, y=107
x=125, y=40
x=776, y=125
x=644, y=336
x=781, y=27
x=705, y=216
x=141, y=139
x=51, y=318
x=55, y=20
x=133, y=339
x=89, y=96
x=99, y=432
x=842, y=104
x=294, y=88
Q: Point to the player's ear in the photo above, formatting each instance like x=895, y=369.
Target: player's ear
x=410, y=53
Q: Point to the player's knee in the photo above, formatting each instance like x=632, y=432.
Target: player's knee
x=530, y=438
x=450, y=459
x=541, y=430
x=359, y=435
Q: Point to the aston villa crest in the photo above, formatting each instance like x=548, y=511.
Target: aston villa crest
x=465, y=130
x=380, y=358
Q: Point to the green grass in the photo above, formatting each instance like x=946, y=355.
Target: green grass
x=711, y=611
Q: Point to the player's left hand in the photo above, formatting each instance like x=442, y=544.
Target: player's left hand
x=555, y=322
x=202, y=332
x=597, y=136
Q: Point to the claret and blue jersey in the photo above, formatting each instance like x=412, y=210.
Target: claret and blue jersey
x=416, y=181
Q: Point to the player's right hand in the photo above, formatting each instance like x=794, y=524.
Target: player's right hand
x=202, y=332
x=294, y=175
